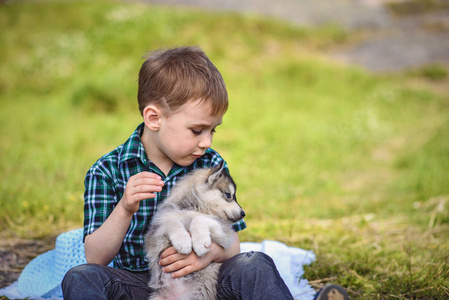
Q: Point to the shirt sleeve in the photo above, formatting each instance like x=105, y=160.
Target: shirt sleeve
x=240, y=225
x=100, y=199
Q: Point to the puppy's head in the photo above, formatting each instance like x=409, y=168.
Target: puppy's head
x=220, y=195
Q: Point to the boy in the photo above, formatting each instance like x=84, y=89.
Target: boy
x=182, y=98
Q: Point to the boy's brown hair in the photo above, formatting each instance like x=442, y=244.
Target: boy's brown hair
x=170, y=78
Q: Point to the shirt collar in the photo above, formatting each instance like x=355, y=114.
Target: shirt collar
x=133, y=147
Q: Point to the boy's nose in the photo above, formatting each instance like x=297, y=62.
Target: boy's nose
x=206, y=141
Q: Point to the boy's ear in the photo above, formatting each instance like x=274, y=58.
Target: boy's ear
x=152, y=117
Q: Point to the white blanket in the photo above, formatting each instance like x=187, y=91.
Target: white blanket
x=289, y=262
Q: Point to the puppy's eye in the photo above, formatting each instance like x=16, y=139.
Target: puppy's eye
x=228, y=195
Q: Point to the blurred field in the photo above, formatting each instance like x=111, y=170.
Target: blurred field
x=327, y=157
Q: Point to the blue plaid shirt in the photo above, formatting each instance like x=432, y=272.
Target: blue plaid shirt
x=105, y=184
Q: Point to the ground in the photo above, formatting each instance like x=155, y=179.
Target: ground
x=16, y=253
x=404, y=34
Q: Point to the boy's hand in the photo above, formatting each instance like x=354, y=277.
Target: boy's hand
x=182, y=264
x=141, y=186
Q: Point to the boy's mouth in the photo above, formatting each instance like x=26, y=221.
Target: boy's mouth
x=196, y=156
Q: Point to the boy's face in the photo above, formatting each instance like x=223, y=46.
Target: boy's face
x=186, y=134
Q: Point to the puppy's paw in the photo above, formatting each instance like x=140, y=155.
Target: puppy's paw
x=201, y=244
x=182, y=242
x=183, y=247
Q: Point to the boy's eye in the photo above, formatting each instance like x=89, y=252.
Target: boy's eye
x=198, y=132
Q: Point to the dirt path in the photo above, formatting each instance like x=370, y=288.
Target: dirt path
x=401, y=33
x=16, y=253
x=412, y=40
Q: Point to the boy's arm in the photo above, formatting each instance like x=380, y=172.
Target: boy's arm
x=103, y=244
x=180, y=265
x=225, y=254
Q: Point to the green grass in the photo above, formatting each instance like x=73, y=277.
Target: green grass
x=326, y=157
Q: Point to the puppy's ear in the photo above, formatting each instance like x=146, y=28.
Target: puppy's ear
x=215, y=173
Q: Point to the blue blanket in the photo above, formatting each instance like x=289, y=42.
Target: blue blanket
x=289, y=262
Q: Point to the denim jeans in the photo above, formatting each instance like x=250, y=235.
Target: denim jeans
x=250, y=275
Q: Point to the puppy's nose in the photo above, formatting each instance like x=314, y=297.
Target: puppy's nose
x=242, y=213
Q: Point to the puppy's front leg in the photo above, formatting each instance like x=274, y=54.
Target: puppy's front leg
x=201, y=229
x=179, y=237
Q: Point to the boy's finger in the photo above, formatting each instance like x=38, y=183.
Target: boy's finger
x=171, y=267
x=143, y=196
x=148, y=181
x=171, y=260
x=146, y=174
x=182, y=272
x=147, y=188
x=167, y=252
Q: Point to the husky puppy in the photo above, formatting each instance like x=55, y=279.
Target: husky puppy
x=200, y=210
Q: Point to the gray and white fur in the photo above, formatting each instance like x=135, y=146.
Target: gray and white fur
x=202, y=203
